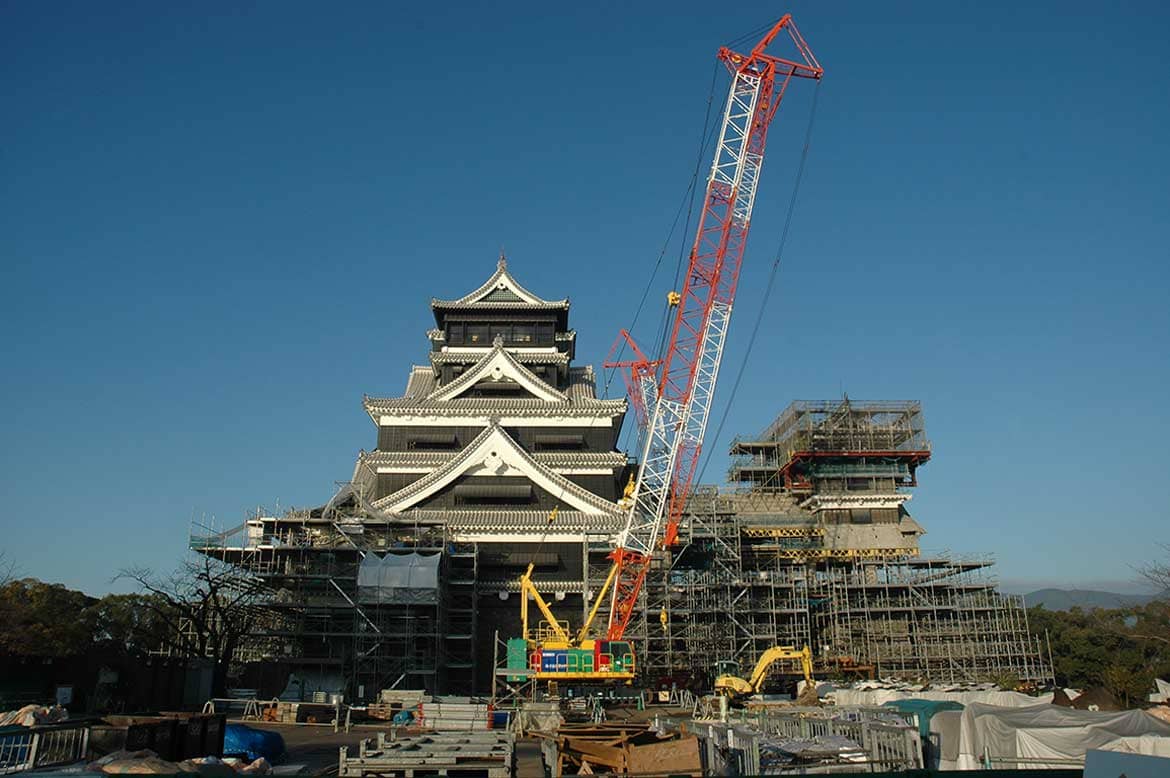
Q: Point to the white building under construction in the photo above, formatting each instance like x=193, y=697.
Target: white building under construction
x=409, y=571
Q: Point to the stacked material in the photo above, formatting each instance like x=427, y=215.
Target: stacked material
x=540, y=717
x=31, y=715
x=470, y=755
x=797, y=740
x=407, y=698
x=587, y=749
x=453, y=714
x=818, y=750
x=392, y=702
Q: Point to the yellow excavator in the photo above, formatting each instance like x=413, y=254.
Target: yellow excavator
x=730, y=685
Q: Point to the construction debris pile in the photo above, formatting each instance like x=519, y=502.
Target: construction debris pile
x=586, y=749
x=775, y=742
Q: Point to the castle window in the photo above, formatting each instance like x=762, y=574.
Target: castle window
x=493, y=494
x=440, y=441
x=523, y=333
x=477, y=334
x=559, y=442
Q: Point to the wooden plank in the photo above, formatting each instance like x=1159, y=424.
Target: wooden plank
x=675, y=757
x=597, y=753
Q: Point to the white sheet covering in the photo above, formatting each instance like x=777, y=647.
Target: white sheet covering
x=854, y=697
x=1048, y=732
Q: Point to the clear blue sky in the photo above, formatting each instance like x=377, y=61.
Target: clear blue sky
x=220, y=226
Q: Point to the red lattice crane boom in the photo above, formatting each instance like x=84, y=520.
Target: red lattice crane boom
x=672, y=394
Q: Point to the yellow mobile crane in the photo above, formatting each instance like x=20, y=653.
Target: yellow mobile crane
x=555, y=654
x=732, y=686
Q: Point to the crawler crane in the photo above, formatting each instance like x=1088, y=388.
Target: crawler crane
x=672, y=394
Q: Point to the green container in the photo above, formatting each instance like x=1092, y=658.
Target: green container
x=517, y=657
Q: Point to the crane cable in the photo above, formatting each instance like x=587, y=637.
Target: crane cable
x=771, y=276
x=688, y=197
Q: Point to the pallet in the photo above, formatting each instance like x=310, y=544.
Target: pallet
x=466, y=755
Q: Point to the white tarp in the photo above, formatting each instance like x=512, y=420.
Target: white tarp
x=399, y=578
x=1046, y=736
x=863, y=697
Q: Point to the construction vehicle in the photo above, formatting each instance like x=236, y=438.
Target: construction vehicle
x=732, y=686
x=552, y=653
x=672, y=394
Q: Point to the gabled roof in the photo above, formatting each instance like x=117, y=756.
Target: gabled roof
x=389, y=460
x=498, y=366
x=494, y=452
x=532, y=357
x=581, y=394
x=501, y=291
x=514, y=521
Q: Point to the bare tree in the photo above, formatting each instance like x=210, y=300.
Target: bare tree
x=1157, y=574
x=7, y=569
x=206, y=608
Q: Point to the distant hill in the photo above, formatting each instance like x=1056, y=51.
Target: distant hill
x=1064, y=599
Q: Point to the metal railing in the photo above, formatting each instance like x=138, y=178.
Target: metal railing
x=51, y=745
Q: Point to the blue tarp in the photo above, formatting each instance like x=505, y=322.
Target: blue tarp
x=253, y=743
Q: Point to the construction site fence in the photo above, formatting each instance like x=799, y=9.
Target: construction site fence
x=32, y=748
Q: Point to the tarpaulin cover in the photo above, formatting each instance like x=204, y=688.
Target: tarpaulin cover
x=254, y=743
x=924, y=710
x=1048, y=736
x=406, y=579
x=861, y=697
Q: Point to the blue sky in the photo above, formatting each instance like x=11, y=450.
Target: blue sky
x=221, y=226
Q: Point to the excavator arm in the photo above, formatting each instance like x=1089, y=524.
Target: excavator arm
x=777, y=654
x=735, y=687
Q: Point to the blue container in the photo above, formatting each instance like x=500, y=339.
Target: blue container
x=551, y=661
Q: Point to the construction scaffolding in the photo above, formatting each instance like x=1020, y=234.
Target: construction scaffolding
x=345, y=606
x=715, y=597
x=732, y=591
x=935, y=617
x=842, y=444
x=810, y=545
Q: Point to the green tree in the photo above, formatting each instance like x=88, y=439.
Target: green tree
x=1121, y=649
x=41, y=619
x=131, y=623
